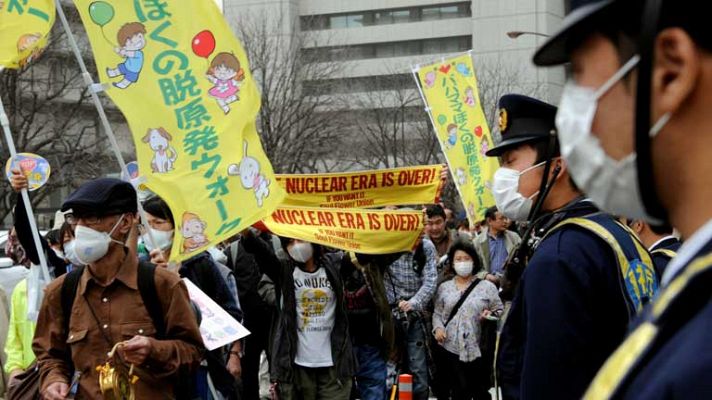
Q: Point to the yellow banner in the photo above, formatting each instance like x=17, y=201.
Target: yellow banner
x=450, y=92
x=183, y=82
x=362, y=231
x=24, y=27
x=364, y=189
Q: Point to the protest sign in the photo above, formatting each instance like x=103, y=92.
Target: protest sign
x=361, y=231
x=364, y=189
x=449, y=89
x=182, y=80
x=217, y=327
x=35, y=168
x=24, y=29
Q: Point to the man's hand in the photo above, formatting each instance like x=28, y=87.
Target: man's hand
x=440, y=335
x=18, y=180
x=234, y=366
x=13, y=376
x=405, y=306
x=136, y=350
x=56, y=391
x=485, y=313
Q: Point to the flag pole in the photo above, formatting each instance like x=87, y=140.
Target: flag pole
x=94, y=90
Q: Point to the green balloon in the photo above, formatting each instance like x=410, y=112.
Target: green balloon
x=101, y=12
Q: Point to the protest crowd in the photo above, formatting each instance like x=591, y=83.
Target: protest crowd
x=586, y=274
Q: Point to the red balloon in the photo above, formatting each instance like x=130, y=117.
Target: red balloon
x=204, y=44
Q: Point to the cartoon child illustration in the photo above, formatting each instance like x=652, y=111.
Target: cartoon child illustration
x=164, y=155
x=430, y=79
x=226, y=76
x=485, y=146
x=27, y=42
x=193, y=230
x=250, y=177
x=469, y=97
x=132, y=40
x=460, y=176
x=451, y=136
x=471, y=208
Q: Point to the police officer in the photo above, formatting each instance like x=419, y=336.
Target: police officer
x=659, y=240
x=585, y=275
x=639, y=107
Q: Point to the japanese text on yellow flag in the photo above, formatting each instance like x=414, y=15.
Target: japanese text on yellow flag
x=363, y=189
x=24, y=30
x=362, y=231
x=183, y=82
x=450, y=91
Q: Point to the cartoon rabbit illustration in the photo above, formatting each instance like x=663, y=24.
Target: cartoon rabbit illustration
x=249, y=171
x=193, y=231
x=164, y=155
x=460, y=176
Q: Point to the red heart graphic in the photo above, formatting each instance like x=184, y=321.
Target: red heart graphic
x=28, y=164
x=445, y=68
x=478, y=131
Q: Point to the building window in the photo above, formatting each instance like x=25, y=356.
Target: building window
x=389, y=49
x=386, y=16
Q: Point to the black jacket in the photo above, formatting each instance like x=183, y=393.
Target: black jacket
x=284, y=344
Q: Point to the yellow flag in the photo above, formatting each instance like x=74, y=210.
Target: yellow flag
x=24, y=28
x=364, y=189
x=362, y=231
x=450, y=92
x=183, y=82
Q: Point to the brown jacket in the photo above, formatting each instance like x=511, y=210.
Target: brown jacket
x=122, y=315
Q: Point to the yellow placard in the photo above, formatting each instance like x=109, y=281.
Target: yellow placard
x=183, y=82
x=24, y=28
x=362, y=231
x=364, y=189
x=450, y=91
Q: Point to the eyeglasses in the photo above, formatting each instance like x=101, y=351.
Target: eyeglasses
x=90, y=220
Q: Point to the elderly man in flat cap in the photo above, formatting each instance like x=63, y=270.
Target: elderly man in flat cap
x=113, y=299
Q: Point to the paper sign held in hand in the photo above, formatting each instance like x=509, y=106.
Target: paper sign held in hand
x=217, y=327
x=35, y=168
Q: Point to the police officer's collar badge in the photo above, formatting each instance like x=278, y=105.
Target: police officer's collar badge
x=502, y=120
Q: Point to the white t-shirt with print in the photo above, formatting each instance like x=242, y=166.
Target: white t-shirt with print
x=316, y=307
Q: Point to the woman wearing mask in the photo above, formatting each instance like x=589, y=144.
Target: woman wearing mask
x=458, y=329
x=312, y=356
x=223, y=368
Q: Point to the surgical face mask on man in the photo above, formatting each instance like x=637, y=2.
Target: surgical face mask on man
x=301, y=252
x=611, y=184
x=70, y=253
x=505, y=189
x=91, y=245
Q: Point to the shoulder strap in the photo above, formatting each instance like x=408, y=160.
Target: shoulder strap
x=636, y=266
x=462, y=299
x=147, y=287
x=665, y=252
x=69, y=291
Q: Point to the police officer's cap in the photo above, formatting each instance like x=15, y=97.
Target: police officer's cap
x=101, y=197
x=584, y=14
x=523, y=120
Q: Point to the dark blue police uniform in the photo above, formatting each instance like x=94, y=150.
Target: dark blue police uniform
x=663, y=252
x=580, y=289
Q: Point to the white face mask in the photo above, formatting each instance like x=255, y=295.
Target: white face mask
x=91, y=245
x=611, y=184
x=463, y=269
x=163, y=239
x=59, y=253
x=505, y=189
x=301, y=252
x=71, y=254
